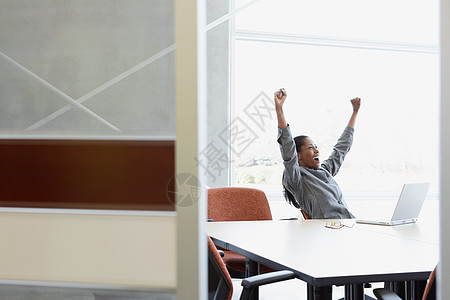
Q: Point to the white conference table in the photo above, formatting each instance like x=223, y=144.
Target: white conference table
x=323, y=257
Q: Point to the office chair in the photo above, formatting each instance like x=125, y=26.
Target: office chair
x=238, y=204
x=429, y=292
x=220, y=286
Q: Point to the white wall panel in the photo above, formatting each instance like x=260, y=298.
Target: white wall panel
x=125, y=251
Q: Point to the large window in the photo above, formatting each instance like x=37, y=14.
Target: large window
x=324, y=53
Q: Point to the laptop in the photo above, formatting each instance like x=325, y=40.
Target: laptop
x=408, y=206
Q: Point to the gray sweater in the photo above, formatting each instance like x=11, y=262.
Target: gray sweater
x=315, y=190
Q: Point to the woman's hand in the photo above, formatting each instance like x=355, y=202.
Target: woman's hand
x=356, y=103
x=279, y=97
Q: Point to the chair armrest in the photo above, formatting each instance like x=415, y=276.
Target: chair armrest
x=251, y=284
x=385, y=294
x=262, y=279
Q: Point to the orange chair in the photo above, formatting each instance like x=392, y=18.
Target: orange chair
x=220, y=285
x=238, y=204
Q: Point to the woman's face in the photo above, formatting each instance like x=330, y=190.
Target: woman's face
x=309, y=155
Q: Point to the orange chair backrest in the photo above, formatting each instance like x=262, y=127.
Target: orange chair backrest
x=238, y=204
x=305, y=215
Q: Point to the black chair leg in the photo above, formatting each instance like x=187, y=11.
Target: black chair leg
x=356, y=291
x=323, y=293
x=310, y=292
x=418, y=288
x=251, y=269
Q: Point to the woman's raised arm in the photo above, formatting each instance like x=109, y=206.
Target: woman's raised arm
x=279, y=98
x=356, y=103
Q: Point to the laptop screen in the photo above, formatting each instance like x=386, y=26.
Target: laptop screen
x=410, y=201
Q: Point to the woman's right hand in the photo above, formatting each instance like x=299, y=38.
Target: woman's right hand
x=279, y=97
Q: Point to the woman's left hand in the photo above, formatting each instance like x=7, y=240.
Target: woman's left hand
x=356, y=103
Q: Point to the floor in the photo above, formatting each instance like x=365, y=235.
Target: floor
x=19, y=292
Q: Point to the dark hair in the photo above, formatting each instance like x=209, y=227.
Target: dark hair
x=299, y=142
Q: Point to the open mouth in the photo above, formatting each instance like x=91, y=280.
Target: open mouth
x=316, y=158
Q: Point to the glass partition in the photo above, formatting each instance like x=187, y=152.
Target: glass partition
x=87, y=68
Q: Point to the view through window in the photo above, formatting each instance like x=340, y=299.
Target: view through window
x=324, y=53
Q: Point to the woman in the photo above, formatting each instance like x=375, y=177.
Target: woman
x=308, y=183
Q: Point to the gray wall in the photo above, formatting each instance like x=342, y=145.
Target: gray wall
x=444, y=265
